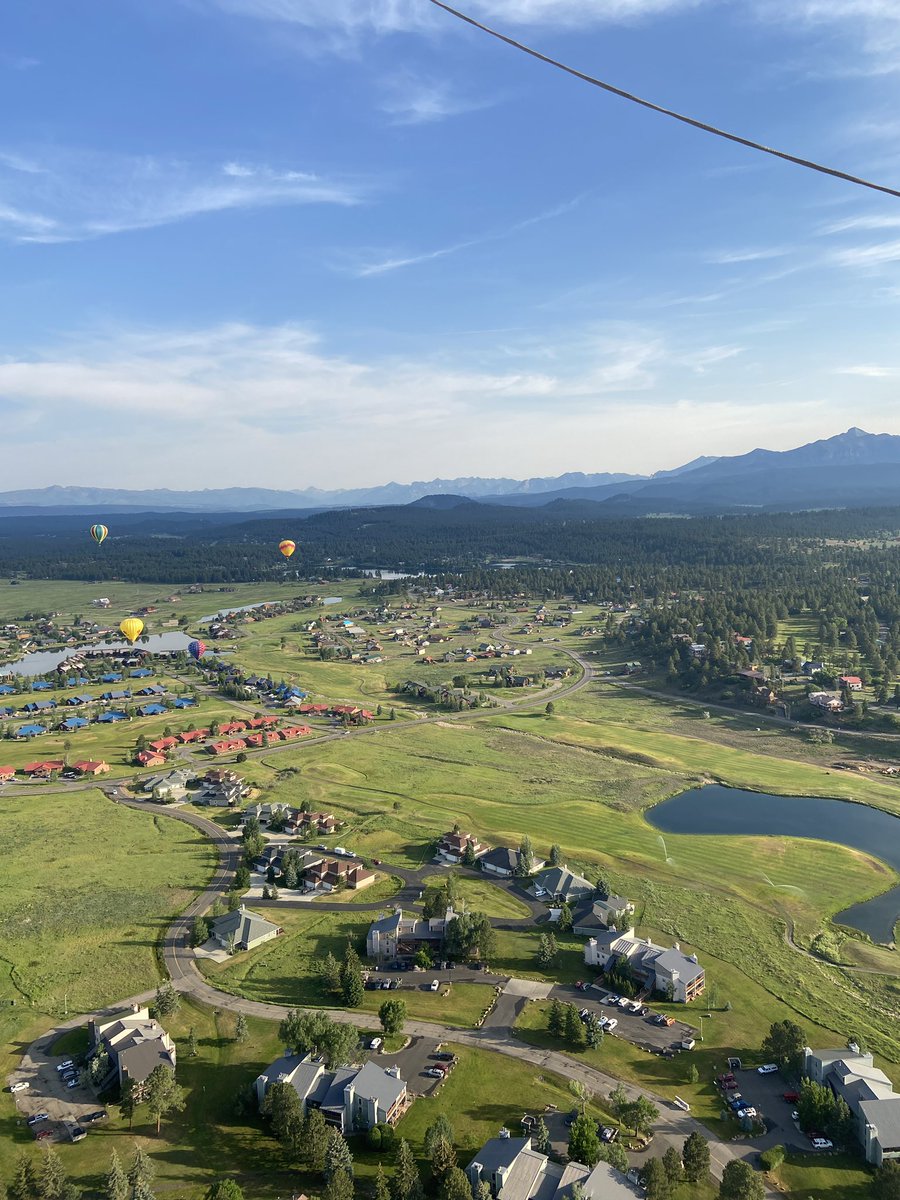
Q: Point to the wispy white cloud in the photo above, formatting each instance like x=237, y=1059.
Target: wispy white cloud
x=728, y=257
x=69, y=196
x=411, y=100
x=394, y=263
x=355, y=17
x=18, y=62
x=700, y=361
x=871, y=27
x=869, y=371
x=875, y=255
x=851, y=224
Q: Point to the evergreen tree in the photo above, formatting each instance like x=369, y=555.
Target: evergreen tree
x=540, y=1136
x=741, y=1182
x=331, y=973
x=574, y=1029
x=337, y=1156
x=555, y=855
x=671, y=1160
x=192, y=1043
x=656, y=1180
x=24, y=1185
x=115, y=1182
x=140, y=1174
x=556, y=1018
x=224, y=1189
x=241, y=1030
x=443, y=1158
x=339, y=1187
x=406, y=1182
x=285, y=1112
x=51, y=1177
x=584, y=1144
x=382, y=1190
x=315, y=1138
x=439, y=1128
x=455, y=1185
x=164, y=1095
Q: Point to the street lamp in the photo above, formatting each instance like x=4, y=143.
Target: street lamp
x=703, y=1017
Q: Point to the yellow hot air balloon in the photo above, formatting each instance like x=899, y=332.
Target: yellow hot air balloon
x=132, y=628
x=287, y=547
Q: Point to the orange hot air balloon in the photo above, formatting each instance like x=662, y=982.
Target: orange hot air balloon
x=287, y=547
x=132, y=628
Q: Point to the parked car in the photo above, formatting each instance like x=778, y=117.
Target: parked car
x=100, y=1115
x=612, y=999
x=376, y=1043
x=608, y=1133
x=822, y=1143
x=434, y=1073
x=395, y=983
x=36, y=1118
x=21, y=1086
x=71, y=1083
x=610, y=1025
x=795, y=1116
x=68, y=1062
x=767, y=1069
x=445, y=1056
x=42, y=1134
x=435, y=984
x=791, y=1097
x=750, y=1111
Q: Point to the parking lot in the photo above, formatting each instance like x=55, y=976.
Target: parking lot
x=766, y=1094
x=47, y=1093
x=642, y=1031
x=413, y=1060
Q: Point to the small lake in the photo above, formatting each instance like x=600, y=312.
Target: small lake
x=43, y=661
x=732, y=812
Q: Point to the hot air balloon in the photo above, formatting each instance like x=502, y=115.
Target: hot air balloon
x=287, y=547
x=99, y=533
x=196, y=649
x=132, y=628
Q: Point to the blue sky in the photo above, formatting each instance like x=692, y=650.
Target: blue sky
x=335, y=242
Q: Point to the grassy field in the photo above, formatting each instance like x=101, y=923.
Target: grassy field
x=88, y=887
x=286, y=971
x=824, y=1177
x=483, y=896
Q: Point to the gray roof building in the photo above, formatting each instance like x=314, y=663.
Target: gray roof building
x=563, y=884
x=515, y=1171
x=136, y=1044
x=348, y=1097
x=870, y=1096
x=242, y=930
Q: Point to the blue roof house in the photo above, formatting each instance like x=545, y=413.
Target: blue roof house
x=30, y=731
x=152, y=710
x=71, y=723
x=185, y=702
x=108, y=718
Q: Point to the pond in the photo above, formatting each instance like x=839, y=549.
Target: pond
x=41, y=662
x=223, y=612
x=721, y=810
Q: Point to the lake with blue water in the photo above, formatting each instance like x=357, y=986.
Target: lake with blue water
x=718, y=811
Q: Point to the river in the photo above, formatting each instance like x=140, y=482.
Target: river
x=717, y=810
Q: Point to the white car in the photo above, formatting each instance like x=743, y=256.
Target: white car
x=435, y=984
x=376, y=1043
x=767, y=1069
x=610, y=1025
x=822, y=1144
x=19, y=1087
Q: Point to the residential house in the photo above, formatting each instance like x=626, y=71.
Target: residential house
x=242, y=930
x=76, y=701
x=170, y=787
x=220, y=793
x=42, y=770
x=152, y=689
x=396, y=936
x=70, y=724
x=90, y=767
x=161, y=745
x=664, y=970
x=452, y=846
x=149, y=758
x=36, y=706
x=332, y=873
x=193, y=735
x=595, y=913
x=7, y=773
x=504, y=862
x=225, y=746
x=349, y=1098
x=112, y=717
x=513, y=1170
x=830, y=701
x=135, y=1043
x=152, y=710
x=563, y=885
x=184, y=702
x=118, y=694
x=140, y=673
x=853, y=683
x=869, y=1094
x=813, y=668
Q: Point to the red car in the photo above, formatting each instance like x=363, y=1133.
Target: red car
x=792, y=1097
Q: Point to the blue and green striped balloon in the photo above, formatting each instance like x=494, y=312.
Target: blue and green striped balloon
x=99, y=533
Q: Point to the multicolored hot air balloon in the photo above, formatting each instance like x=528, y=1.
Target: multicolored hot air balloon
x=99, y=533
x=132, y=628
x=196, y=649
x=287, y=547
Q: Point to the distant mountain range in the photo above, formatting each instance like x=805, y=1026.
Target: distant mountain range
x=853, y=469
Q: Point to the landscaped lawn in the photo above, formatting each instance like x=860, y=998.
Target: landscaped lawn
x=481, y=895
x=825, y=1177
x=516, y=954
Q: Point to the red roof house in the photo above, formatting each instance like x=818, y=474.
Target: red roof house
x=42, y=769
x=7, y=772
x=149, y=758
x=161, y=745
x=88, y=767
x=227, y=746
